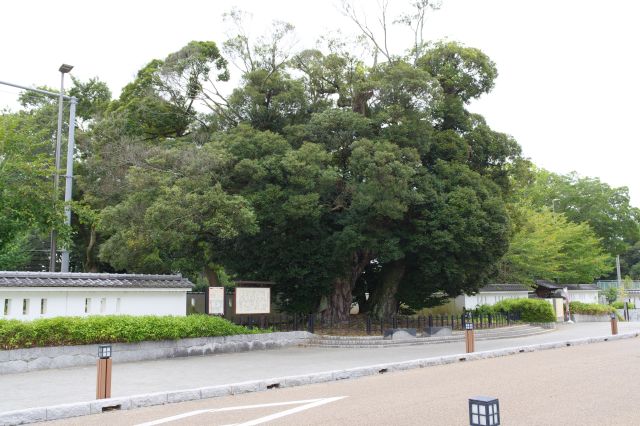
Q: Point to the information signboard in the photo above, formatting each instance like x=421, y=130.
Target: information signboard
x=253, y=300
x=216, y=300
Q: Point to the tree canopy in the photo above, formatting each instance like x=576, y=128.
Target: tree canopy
x=333, y=174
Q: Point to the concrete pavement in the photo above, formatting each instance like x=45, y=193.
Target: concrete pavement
x=582, y=385
x=52, y=387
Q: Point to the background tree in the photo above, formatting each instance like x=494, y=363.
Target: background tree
x=582, y=199
x=550, y=247
x=27, y=206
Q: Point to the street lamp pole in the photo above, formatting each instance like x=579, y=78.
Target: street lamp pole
x=69, y=179
x=64, y=69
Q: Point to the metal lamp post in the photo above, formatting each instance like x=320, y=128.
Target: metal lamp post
x=64, y=69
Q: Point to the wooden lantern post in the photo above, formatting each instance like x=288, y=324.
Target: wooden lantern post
x=103, y=388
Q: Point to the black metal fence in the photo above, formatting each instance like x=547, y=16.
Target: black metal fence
x=368, y=325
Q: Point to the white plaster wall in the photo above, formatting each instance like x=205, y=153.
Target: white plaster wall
x=491, y=298
x=71, y=302
x=584, y=296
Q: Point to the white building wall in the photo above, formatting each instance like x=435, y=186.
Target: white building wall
x=470, y=302
x=584, y=296
x=90, y=301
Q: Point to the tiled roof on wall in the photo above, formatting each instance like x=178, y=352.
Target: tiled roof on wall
x=505, y=287
x=73, y=279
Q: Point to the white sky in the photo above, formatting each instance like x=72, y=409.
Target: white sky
x=566, y=90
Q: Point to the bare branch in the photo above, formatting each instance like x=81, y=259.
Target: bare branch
x=350, y=12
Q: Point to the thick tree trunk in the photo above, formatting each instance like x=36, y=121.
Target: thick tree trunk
x=339, y=303
x=384, y=301
x=212, y=276
x=89, y=262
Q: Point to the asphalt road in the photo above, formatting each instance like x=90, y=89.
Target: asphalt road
x=595, y=384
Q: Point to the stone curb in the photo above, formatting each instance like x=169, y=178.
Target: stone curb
x=41, y=414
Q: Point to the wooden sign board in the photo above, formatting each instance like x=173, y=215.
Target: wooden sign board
x=216, y=300
x=253, y=300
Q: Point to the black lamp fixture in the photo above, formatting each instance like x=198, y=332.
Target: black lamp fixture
x=104, y=351
x=468, y=321
x=484, y=411
x=64, y=68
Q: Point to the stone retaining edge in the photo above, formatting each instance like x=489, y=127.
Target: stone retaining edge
x=31, y=359
x=63, y=411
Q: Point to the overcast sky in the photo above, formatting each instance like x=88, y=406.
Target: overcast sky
x=567, y=88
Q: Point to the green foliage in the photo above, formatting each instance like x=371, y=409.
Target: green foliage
x=93, y=98
x=161, y=102
x=548, y=246
x=620, y=305
x=174, y=213
x=607, y=210
x=61, y=331
x=484, y=310
x=590, y=308
x=529, y=310
x=26, y=170
x=611, y=294
x=319, y=172
x=461, y=71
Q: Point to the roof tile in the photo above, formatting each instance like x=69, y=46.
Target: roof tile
x=76, y=279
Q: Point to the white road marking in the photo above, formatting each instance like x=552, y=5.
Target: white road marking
x=309, y=403
x=291, y=411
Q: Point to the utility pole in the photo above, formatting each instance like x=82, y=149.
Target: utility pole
x=618, y=271
x=64, y=68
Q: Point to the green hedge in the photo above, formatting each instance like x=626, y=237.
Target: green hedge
x=111, y=329
x=590, y=308
x=620, y=305
x=529, y=310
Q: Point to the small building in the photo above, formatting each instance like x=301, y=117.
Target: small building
x=585, y=293
x=32, y=295
x=492, y=294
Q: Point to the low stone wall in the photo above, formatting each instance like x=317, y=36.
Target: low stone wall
x=590, y=318
x=23, y=360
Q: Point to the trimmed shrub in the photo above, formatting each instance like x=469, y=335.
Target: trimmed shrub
x=484, y=310
x=61, y=331
x=590, y=308
x=529, y=310
x=620, y=305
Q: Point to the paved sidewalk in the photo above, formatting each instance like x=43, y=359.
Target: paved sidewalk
x=52, y=387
